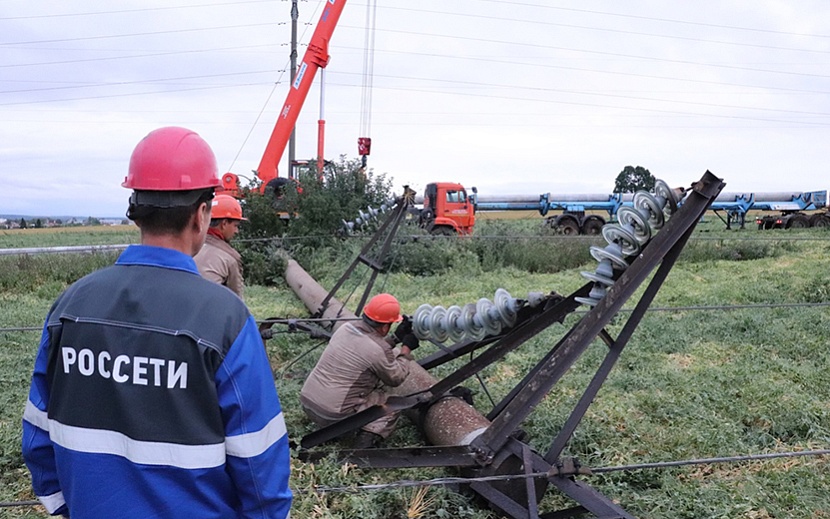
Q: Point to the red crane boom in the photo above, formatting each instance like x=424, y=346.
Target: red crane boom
x=315, y=57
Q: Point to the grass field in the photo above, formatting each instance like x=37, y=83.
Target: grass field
x=690, y=384
x=66, y=236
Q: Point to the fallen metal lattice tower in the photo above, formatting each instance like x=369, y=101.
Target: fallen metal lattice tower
x=494, y=444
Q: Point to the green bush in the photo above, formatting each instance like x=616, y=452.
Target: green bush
x=305, y=215
x=26, y=273
x=325, y=263
x=318, y=205
x=429, y=255
x=539, y=254
x=264, y=264
x=697, y=251
x=816, y=289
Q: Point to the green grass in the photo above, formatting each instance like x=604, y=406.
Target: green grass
x=691, y=384
x=68, y=236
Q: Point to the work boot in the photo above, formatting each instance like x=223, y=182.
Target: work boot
x=366, y=440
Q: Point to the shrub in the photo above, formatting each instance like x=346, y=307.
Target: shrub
x=697, y=251
x=304, y=217
x=264, y=263
x=816, y=289
x=328, y=262
x=26, y=273
x=429, y=255
x=320, y=205
x=527, y=245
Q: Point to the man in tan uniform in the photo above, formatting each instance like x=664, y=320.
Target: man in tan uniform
x=358, y=363
x=218, y=261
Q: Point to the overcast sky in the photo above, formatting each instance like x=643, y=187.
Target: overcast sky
x=517, y=97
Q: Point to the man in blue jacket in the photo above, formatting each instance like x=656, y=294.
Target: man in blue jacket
x=152, y=395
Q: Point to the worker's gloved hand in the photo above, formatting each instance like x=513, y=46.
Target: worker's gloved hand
x=403, y=329
x=410, y=341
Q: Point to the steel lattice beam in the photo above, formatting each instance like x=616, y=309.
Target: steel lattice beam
x=498, y=450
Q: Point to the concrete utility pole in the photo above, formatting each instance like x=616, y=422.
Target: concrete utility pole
x=295, y=14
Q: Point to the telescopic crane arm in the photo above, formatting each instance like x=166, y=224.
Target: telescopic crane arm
x=315, y=57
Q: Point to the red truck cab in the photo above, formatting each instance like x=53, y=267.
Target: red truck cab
x=447, y=210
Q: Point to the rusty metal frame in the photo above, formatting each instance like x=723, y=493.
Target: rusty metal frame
x=388, y=230
x=502, y=439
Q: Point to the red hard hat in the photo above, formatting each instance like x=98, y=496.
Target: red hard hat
x=172, y=159
x=226, y=206
x=383, y=308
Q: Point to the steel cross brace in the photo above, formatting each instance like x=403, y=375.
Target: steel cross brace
x=664, y=249
x=590, y=500
x=498, y=440
x=675, y=234
x=389, y=228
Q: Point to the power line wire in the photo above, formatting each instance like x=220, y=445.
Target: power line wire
x=453, y=82
x=130, y=94
x=537, y=64
x=324, y=489
x=125, y=11
x=514, y=62
x=598, y=105
x=142, y=82
x=449, y=36
x=501, y=19
x=151, y=33
x=513, y=88
x=650, y=18
x=466, y=15
x=603, y=53
x=721, y=116
x=538, y=475
x=690, y=308
x=136, y=56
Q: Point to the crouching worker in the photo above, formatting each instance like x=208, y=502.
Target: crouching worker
x=218, y=261
x=359, y=362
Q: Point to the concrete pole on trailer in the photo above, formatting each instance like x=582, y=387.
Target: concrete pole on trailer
x=450, y=421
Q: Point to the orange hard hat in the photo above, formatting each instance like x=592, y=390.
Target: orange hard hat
x=172, y=159
x=383, y=308
x=226, y=206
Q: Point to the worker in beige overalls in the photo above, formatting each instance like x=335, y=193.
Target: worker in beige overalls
x=359, y=362
x=218, y=261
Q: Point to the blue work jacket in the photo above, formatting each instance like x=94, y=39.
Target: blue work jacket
x=152, y=397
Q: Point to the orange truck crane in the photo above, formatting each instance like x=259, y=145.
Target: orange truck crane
x=315, y=58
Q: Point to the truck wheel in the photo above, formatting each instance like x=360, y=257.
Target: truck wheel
x=820, y=220
x=568, y=227
x=442, y=231
x=798, y=221
x=592, y=226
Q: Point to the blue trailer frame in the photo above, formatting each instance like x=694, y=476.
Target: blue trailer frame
x=734, y=206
